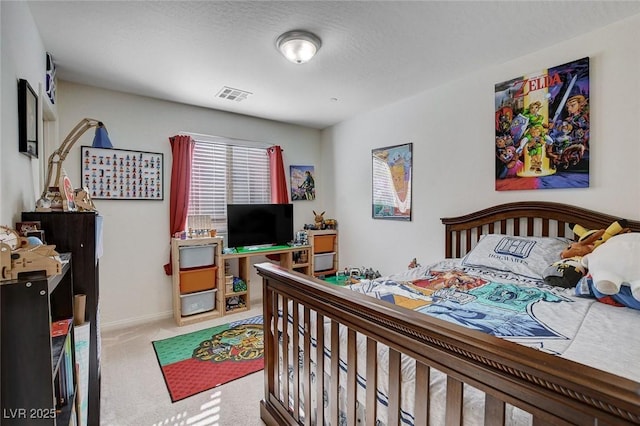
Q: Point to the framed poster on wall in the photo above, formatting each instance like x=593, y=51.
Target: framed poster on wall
x=303, y=185
x=27, y=119
x=392, y=168
x=542, y=136
x=119, y=174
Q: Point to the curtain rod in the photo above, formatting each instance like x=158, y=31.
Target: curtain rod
x=226, y=140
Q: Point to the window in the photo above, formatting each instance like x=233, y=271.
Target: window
x=223, y=173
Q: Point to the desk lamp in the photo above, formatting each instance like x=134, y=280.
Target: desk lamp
x=51, y=196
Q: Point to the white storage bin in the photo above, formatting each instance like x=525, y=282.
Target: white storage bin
x=322, y=262
x=196, y=256
x=195, y=303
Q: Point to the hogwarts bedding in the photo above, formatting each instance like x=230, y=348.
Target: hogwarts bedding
x=521, y=309
x=503, y=304
x=516, y=307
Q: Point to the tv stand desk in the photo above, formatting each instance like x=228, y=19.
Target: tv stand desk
x=297, y=258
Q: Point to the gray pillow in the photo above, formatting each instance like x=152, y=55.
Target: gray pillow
x=528, y=256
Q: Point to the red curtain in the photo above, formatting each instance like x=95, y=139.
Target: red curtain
x=182, y=153
x=279, y=193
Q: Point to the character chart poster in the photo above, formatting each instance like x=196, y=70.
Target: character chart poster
x=542, y=129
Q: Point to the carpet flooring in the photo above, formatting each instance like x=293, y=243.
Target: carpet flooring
x=133, y=388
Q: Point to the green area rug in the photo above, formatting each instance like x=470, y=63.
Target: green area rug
x=198, y=361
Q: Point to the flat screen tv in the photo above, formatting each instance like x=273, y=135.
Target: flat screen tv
x=250, y=225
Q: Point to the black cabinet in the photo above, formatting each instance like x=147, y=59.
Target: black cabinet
x=37, y=367
x=79, y=234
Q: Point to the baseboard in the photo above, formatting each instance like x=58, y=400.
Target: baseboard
x=129, y=322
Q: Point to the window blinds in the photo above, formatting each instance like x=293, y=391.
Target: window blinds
x=227, y=174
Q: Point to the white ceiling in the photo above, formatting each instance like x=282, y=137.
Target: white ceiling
x=373, y=52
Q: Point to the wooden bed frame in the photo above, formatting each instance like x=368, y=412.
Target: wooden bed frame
x=554, y=390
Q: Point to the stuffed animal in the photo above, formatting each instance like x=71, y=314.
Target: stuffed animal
x=615, y=264
x=565, y=273
x=583, y=246
x=590, y=239
x=569, y=270
x=319, y=219
x=585, y=288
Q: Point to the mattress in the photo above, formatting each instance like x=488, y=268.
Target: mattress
x=518, y=308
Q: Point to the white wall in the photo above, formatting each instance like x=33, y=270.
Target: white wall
x=452, y=131
x=451, y=128
x=23, y=56
x=136, y=243
x=133, y=286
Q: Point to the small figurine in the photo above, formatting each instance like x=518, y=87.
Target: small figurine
x=319, y=220
x=370, y=274
x=414, y=263
x=83, y=200
x=331, y=223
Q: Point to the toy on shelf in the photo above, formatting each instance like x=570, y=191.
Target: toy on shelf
x=370, y=274
x=235, y=302
x=331, y=224
x=239, y=285
x=319, y=220
x=302, y=238
x=200, y=226
x=19, y=254
x=83, y=200
x=354, y=275
x=320, y=223
x=300, y=256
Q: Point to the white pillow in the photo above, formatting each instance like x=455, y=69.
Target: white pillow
x=528, y=256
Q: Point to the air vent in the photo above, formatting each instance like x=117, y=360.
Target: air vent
x=233, y=94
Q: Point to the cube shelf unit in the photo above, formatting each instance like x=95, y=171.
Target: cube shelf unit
x=39, y=381
x=296, y=258
x=197, y=295
x=199, y=281
x=324, y=252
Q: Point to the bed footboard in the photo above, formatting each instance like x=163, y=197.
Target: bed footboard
x=308, y=322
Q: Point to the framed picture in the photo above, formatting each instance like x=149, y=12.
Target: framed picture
x=303, y=185
x=392, y=168
x=120, y=174
x=27, y=119
x=542, y=134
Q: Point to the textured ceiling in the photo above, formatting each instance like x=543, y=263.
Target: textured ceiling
x=372, y=54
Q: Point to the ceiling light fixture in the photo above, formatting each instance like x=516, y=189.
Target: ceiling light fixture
x=298, y=46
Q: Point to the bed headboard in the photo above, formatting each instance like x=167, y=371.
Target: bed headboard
x=526, y=218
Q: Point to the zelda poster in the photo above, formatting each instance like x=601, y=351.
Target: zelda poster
x=542, y=129
x=303, y=186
